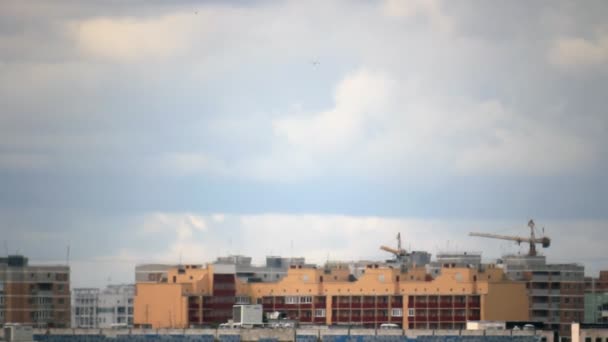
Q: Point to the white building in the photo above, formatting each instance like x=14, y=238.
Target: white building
x=111, y=306
x=84, y=307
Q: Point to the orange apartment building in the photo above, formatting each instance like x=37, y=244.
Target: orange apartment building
x=195, y=295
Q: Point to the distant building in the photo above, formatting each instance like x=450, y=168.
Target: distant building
x=454, y=259
x=34, y=294
x=94, y=308
x=556, y=291
x=84, y=307
x=195, y=295
x=596, y=299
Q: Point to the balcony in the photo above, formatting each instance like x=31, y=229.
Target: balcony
x=540, y=292
x=369, y=319
x=445, y=304
x=473, y=304
x=540, y=306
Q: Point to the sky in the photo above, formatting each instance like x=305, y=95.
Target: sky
x=154, y=131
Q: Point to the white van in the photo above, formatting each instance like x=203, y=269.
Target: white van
x=389, y=326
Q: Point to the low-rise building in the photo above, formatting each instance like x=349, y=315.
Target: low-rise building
x=196, y=295
x=94, y=308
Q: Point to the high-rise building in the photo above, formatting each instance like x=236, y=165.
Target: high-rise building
x=34, y=294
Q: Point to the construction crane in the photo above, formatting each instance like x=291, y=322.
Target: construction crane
x=532, y=240
x=399, y=252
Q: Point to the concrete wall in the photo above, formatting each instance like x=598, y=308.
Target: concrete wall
x=289, y=335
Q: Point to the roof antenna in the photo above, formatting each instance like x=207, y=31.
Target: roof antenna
x=67, y=256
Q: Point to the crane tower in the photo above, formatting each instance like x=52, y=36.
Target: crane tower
x=532, y=240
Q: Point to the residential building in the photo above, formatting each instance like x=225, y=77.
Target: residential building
x=94, y=308
x=596, y=299
x=196, y=295
x=556, y=291
x=84, y=307
x=34, y=294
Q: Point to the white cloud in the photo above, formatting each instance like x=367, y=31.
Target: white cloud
x=183, y=224
x=359, y=98
x=573, y=52
x=430, y=9
x=379, y=126
x=342, y=237
x=184, y=164
x=133, y=39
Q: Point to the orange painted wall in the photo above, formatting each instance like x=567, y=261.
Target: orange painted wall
x=161, y=305
x=505, y=302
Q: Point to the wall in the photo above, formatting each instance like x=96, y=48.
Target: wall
x=161, y=305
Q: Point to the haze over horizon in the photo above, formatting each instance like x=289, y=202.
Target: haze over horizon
x=140, y=131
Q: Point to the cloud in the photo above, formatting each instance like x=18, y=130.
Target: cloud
x=23, y=161
x=359, y=98
x=136, y=39
x=184, y=225
x=576, y=52
x=378, y=123
x=430, y=9
x=319, y=238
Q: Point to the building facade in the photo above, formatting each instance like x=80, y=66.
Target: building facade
x=112, y=306
x=556, y=291
x=195, y=295
x=34, y=294
x=84, y=307
x=596, y=299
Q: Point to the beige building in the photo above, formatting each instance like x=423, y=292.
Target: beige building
x=195, y=295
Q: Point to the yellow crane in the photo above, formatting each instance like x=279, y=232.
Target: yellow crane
x=532, y=240
x=399, y=252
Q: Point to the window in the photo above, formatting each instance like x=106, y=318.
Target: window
x=319, y=312
x=291, y=300
x=306, y=300
x=397, y=312
x=411, y=312
x=242, y=300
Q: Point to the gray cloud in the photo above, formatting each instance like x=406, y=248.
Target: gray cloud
x=417, y=109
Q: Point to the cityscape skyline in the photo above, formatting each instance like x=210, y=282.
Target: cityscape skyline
x=151, y=131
